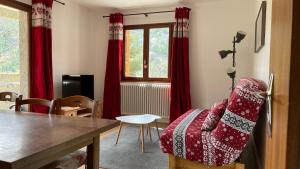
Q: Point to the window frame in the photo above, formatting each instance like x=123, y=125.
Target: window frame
x=146, y=28
x=18, y=5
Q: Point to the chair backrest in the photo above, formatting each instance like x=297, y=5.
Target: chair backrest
x=244, y=106
x=35, y=101
x=98, y=109
x=9, y=96
x=75, y=101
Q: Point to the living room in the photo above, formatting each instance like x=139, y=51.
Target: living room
x=151, y=72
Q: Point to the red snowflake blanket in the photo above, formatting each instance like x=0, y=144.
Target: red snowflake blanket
x=224, y=144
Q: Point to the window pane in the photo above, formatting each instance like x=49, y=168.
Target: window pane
x=158, y=52
x=134, y=40
x=14, y=52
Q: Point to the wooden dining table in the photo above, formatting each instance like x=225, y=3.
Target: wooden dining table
x=31, y=140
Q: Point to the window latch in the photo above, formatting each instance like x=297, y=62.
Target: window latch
x=145, y=64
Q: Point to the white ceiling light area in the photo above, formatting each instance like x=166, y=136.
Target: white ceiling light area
x=128, y=4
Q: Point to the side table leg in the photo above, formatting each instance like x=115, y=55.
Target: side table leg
x=119, y=132
x=157, y=129
x=142, y=135
x=139, y=138
x=149, y=131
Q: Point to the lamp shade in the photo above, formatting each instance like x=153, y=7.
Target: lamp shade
x=240, y=35
x=224, y=53
x=231, y=72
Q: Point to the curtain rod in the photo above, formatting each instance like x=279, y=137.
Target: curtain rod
x=60, y=2
x=144, y=13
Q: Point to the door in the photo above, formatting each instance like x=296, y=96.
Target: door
x=282, y=149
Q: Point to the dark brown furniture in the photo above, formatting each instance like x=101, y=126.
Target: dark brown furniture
x=9, y=96
x=38, y=139
x=34, y=101
x=98, y=109
x=83, y=106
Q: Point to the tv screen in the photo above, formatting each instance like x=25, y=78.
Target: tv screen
x=78, y=85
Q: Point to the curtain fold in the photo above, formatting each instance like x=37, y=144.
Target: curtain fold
x=180, y=77
x=112, y=91
x=41, y=75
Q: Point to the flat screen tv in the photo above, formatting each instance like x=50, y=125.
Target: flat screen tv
x=78, y=85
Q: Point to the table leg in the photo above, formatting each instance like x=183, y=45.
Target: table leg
x=139, y=138
x=149, y=131
x=142, y=137
x=157, y=129
x=119, y=132
x=93, y=154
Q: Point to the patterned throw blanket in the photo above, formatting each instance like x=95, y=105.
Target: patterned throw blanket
x=224, y=144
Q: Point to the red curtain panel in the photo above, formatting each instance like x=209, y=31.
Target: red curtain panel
x=41, y=77
x=112, y=91
x=180, y=77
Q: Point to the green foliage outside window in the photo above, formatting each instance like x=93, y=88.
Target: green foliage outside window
x=135, y=66
x=158, y=52
x=9, y=45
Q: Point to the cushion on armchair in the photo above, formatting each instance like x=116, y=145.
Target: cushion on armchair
x=214, y=115
x=184, y=137
x=233, y=131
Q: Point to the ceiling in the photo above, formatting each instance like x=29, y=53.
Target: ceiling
x=128, y=4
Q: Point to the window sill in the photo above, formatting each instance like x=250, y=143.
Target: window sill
x=138, y=80
x=146, y=82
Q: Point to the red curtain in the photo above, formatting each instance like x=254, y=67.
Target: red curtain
x=41, y=78
x=180, y=77
x=112, y=91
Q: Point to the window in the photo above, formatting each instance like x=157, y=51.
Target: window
x=14, y=48
x=147, y=50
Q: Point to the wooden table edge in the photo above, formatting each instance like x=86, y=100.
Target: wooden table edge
x=59, y=150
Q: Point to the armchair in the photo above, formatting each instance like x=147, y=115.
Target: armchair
x=189, y=146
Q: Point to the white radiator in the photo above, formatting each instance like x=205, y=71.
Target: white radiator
x=146, y=98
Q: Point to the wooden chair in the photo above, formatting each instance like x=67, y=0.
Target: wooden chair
x=9, y=97
x=86, y=105
x=35, y=101
x=98, y=110
x=68, y=161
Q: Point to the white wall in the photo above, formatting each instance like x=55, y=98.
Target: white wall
x=212, y=27
x=79, y=43
x=154, y=18
x=100, y=36
x=79, y=46
x=262, y=59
